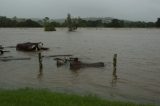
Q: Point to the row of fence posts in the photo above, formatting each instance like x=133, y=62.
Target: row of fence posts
x=114, y=65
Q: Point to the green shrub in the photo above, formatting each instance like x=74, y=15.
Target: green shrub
x=49, y=27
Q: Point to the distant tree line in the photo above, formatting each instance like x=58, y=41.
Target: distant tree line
x=158, y=23
x=12, y=22
x=115, y=23
x=77, y=22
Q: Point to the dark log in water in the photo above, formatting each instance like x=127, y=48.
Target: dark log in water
x=74, y=65
x=10, y=47
x=29, y=46
x=10, y=59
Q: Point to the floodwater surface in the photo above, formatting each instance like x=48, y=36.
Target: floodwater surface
x=138, y=67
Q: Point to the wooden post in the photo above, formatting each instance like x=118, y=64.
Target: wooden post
x=115, y=65
x=40, y=74
x=40, y=61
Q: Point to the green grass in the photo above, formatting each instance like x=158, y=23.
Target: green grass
x=32, y=97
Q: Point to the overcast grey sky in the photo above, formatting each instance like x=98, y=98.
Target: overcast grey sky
x=143, y=10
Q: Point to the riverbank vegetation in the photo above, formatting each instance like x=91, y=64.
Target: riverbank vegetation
x=32, y=97
x=74, y=23
x=14, y=22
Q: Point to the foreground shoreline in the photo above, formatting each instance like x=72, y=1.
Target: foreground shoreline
x=40, y=97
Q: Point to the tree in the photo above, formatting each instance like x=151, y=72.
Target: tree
x=116, y=23
x=14, y=18
x=7, y=22
x=48, y=26
x=158, y=23
x=71, y=23
x=45, y=20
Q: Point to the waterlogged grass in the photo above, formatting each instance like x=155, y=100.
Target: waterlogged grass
x=32, y=97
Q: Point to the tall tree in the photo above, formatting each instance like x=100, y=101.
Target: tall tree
x=71, y=23
x=45, y=21
x=158, y=23
x=116, y=23
x=48, y=26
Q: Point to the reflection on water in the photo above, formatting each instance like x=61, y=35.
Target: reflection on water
x=135, y=77
x=40, y=73
x=114, y=81
x=40, y=61
x=115, y=66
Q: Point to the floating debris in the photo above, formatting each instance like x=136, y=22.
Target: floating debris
x=29, y=46
x=10, y=47
x=76, y=64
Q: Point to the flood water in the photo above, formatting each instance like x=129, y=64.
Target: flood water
x=138, y=67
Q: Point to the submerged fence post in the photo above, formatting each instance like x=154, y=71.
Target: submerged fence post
x=115, y=65
x=40, y=74
x=40, y=61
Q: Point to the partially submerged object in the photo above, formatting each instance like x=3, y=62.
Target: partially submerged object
x=81, y=64
x=60, y=62
x=29, y=46
x=2, y=50
x=76, y=64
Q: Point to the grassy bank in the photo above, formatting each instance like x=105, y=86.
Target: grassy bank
x=31, y=97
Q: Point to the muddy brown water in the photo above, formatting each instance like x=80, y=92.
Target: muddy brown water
x=138, y=67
